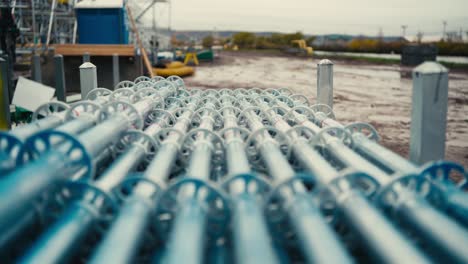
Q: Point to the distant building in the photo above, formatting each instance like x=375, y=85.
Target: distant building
x=339, y=40
x=331, y=40
x=395, y=39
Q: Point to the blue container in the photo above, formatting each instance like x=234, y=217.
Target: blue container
x=102, y=25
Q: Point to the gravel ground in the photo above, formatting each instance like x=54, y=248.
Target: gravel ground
x=378, y=94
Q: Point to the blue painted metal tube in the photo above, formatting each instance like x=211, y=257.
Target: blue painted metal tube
x=457, y=200
x=97, y=139
x=53, y=119
x=278, y=166
x=119, y=169
x=306, y=218
x=250, y=233
x=446, y=238
x=132, y=220
x=190, y=220
x=76, y=126
x=63, y=237
x=317, y=240
x=352, y=160
x=18, y=229
x=237, y=161
x=252, y=243
x=219, y=254
x=414, y=210
x=189, y=227
x=60, y=172
x=23, y=132
x=52, y=166
x=18, y=191
x=199, y=166
x=122, y=241
x=385, y=156
x=373, y=229
x=135, y=214
x=376, y=232
x=69, y=238
x=316, y=237
x=8, y=161
x=84, y=116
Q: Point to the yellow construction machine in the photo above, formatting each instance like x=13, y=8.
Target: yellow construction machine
x=301, y=48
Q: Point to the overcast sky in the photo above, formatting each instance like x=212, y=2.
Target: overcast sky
x=318, y=17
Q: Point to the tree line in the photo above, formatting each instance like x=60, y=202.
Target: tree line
x=249, y=40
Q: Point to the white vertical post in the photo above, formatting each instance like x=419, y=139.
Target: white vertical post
x=429, y=112
x=88, y=78
x=325, y=82
x=115, y=69
x=60, y=87
x=139, y=62
x=36, y=68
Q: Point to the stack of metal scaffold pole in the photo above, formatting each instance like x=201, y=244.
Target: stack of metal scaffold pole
x=154, y=172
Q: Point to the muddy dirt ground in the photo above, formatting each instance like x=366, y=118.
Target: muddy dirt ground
x=378, y=94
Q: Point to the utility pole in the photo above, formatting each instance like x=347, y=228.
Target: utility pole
x=445, y=28
x=380, y=40
x=215, y=34
x=419, y=36
x=380, y=33
x=403, y=30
